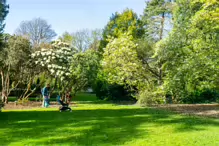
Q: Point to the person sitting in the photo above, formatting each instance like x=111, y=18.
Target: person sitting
x=64, y=106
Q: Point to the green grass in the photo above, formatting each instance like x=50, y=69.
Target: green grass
x=106, y=125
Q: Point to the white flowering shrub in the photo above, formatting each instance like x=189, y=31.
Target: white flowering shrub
x=73, y=70
x=56, y=60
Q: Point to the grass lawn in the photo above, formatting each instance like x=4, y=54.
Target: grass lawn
x=104, y=125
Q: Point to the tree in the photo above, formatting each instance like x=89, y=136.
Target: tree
x=36, y=30
x=121, y=64
x=66, y=37
x=120, y=23
x=3, y=13
x=72, y=70
x=191, y=51
x=84, y=69
x=14, y=58
x=86, y=39
x=157, y=18
x=96, y=36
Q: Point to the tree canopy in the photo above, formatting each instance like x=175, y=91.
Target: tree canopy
x=36, y=30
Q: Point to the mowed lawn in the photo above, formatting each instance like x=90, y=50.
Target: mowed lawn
x=105, y=124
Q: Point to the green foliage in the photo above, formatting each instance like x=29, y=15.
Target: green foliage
x=157, y=19
x=151, y=96
x=3, y=13
x=84, y=68
x=18, y=51
x=191, y=52
x=66, y=37
x=121, y=23
x=121, y=63
x=205, y=95
x=14, y=62
x=112, y=92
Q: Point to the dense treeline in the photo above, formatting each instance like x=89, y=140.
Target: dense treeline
x=167, y=55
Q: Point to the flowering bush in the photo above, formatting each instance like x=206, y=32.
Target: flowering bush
x=56, y=60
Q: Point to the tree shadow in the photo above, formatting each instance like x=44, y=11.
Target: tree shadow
x=90, y=127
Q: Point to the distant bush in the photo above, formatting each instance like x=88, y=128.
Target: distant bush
x=112, y=92
x=149, y=97
x=202, y=96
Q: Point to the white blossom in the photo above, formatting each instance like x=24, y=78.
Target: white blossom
x=67, y=74
x=52, y=70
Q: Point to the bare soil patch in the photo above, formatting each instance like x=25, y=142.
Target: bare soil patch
x=206, y=110
x=29, y=105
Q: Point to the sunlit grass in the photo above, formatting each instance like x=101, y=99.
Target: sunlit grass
x=106, y=124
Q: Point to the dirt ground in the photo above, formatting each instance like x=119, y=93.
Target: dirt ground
x=207, y=110
x=29, y=105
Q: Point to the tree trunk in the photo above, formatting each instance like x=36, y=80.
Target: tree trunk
x=160, y=78
x=3, y=87
x=162, y=25
x=161, y=37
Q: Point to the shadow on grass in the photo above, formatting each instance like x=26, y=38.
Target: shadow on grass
x=90, y=127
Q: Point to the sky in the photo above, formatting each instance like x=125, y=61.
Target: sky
x=68, y=15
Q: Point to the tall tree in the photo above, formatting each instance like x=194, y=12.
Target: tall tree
x=3, y=13
x=121, y=64
x=36, y=30
x=120, y=23
x=191, y=50
x=86, y=39
x=157, y=18
x=13, y=59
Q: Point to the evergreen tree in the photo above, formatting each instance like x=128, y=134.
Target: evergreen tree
x=120, y=23
x=157, y=18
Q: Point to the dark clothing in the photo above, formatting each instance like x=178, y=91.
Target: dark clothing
x=45, y=91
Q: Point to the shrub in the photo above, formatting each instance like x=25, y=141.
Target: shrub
x=202, y=96
x=113, y=92
x=149, y=97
